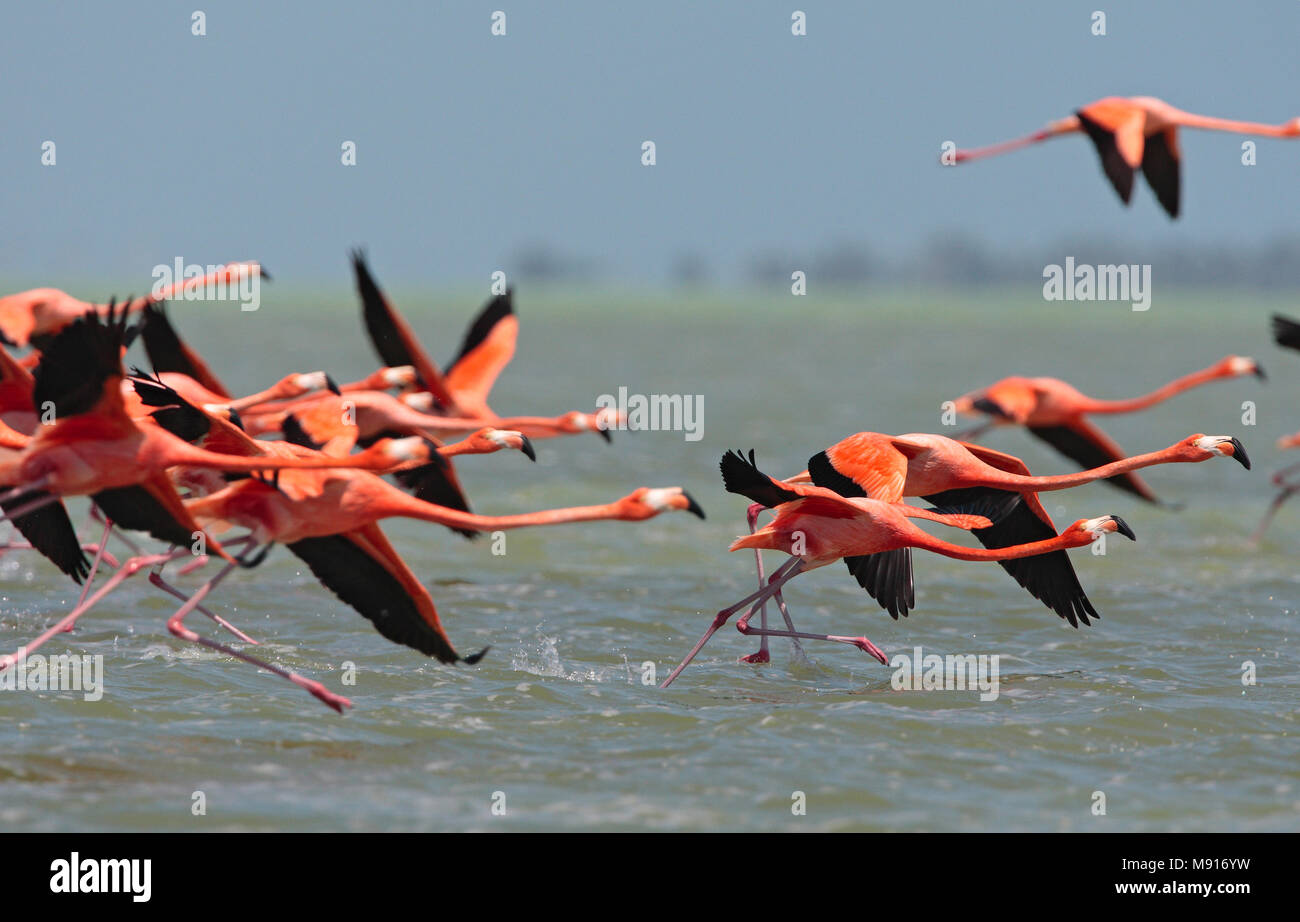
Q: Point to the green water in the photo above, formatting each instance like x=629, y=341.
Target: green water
x=1147, y=706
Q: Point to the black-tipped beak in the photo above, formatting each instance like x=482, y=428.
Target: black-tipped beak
x=604, y=434
x=1122, y=528
x=332, y=387
x=527, y=448
x=692, y=506
x=1239, y=452
x=265, y=276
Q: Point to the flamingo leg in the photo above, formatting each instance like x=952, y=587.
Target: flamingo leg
x=862, y=643
x=1287, y=491
x=176, y=625
x=23, y=490
x=31, y=506
x=94, y=566
x=129, y=568
x=762, y=656
x=155, y=578
x=779, y=578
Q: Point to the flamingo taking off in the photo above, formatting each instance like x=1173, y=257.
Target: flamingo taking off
x=1056, y=412
x=1132, y=133
x=817, y=526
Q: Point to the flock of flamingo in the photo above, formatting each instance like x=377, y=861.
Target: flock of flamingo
x=172, y=453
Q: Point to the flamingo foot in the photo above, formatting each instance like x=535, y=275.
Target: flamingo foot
x=757, y=659
x=337, y=702
x=865, y=645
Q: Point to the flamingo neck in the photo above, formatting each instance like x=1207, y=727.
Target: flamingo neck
x=957, y=552
x=1021, y=483
x=1173, y=388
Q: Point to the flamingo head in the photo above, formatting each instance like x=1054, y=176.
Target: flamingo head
x=601, y=422
x=396, y=376
x=648, y=502
x=1292, y=128
x=292, y=386
x=488, y=440
x=1204, y=447
x=1235, y=366
x=401, y=451
x=420, y=401
x=1086, y=531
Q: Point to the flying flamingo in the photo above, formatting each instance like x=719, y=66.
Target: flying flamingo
x=947, y=472
x=1056, y=412
x=818, y=526
x=330, y=520
x=32, y=317
x=1136, y=132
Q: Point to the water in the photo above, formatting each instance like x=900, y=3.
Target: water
x=1147, y=706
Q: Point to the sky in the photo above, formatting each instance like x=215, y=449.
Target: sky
x=471, y=147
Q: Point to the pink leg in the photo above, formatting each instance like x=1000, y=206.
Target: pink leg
x=1287, y=491
x=94, y=566
x=24, y=489
x=129, y=568
x=762, y=656
x=155, y=577
x=862, y=643
x=176, y=625
x=780, y=577
x=32, y=506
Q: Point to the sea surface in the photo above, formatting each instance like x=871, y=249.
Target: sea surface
x=1139, y=722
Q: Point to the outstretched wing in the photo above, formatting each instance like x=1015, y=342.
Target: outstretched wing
x=363, y=570
x=1116, y=131
x=1286, y=332
x=1050, y=578
x=1160, y=165
x=488, y=347
x=167, y=352
x=392, y=337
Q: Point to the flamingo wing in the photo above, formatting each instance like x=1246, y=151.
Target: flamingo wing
x=1115, y=128
x=857, y=466
x=167, y=352
x=50, y=532
x=437, y=483
x=16, y=384
x=488, y=347
x=153, y=507
x=1012, y=399
x=392, y=337
x=1089, y=447
x=364, y=573
x=1161, y=167
x=1012, y=465
x=1286, y=332
x=1050, y=578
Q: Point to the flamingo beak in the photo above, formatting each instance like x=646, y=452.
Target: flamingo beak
x=332, y=387
x=263, y=274
x=692, y=506
x=604, y=434
x=1239, y=452
x=1259, y=372
x=527, y=448
x=1122, y=528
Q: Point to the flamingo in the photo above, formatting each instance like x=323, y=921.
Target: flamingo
x=33, y=317
x=818, y=526
x=1056, y=412
x=330, y=519
x=1132, y=133
x=947, y=472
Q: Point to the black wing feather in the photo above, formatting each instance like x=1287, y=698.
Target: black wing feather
x=50, y=531
x=363, y=583
x=1162, y=170
x=1113, y=163
x=492, y=313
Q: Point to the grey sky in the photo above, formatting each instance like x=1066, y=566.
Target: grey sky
x=469, y=146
